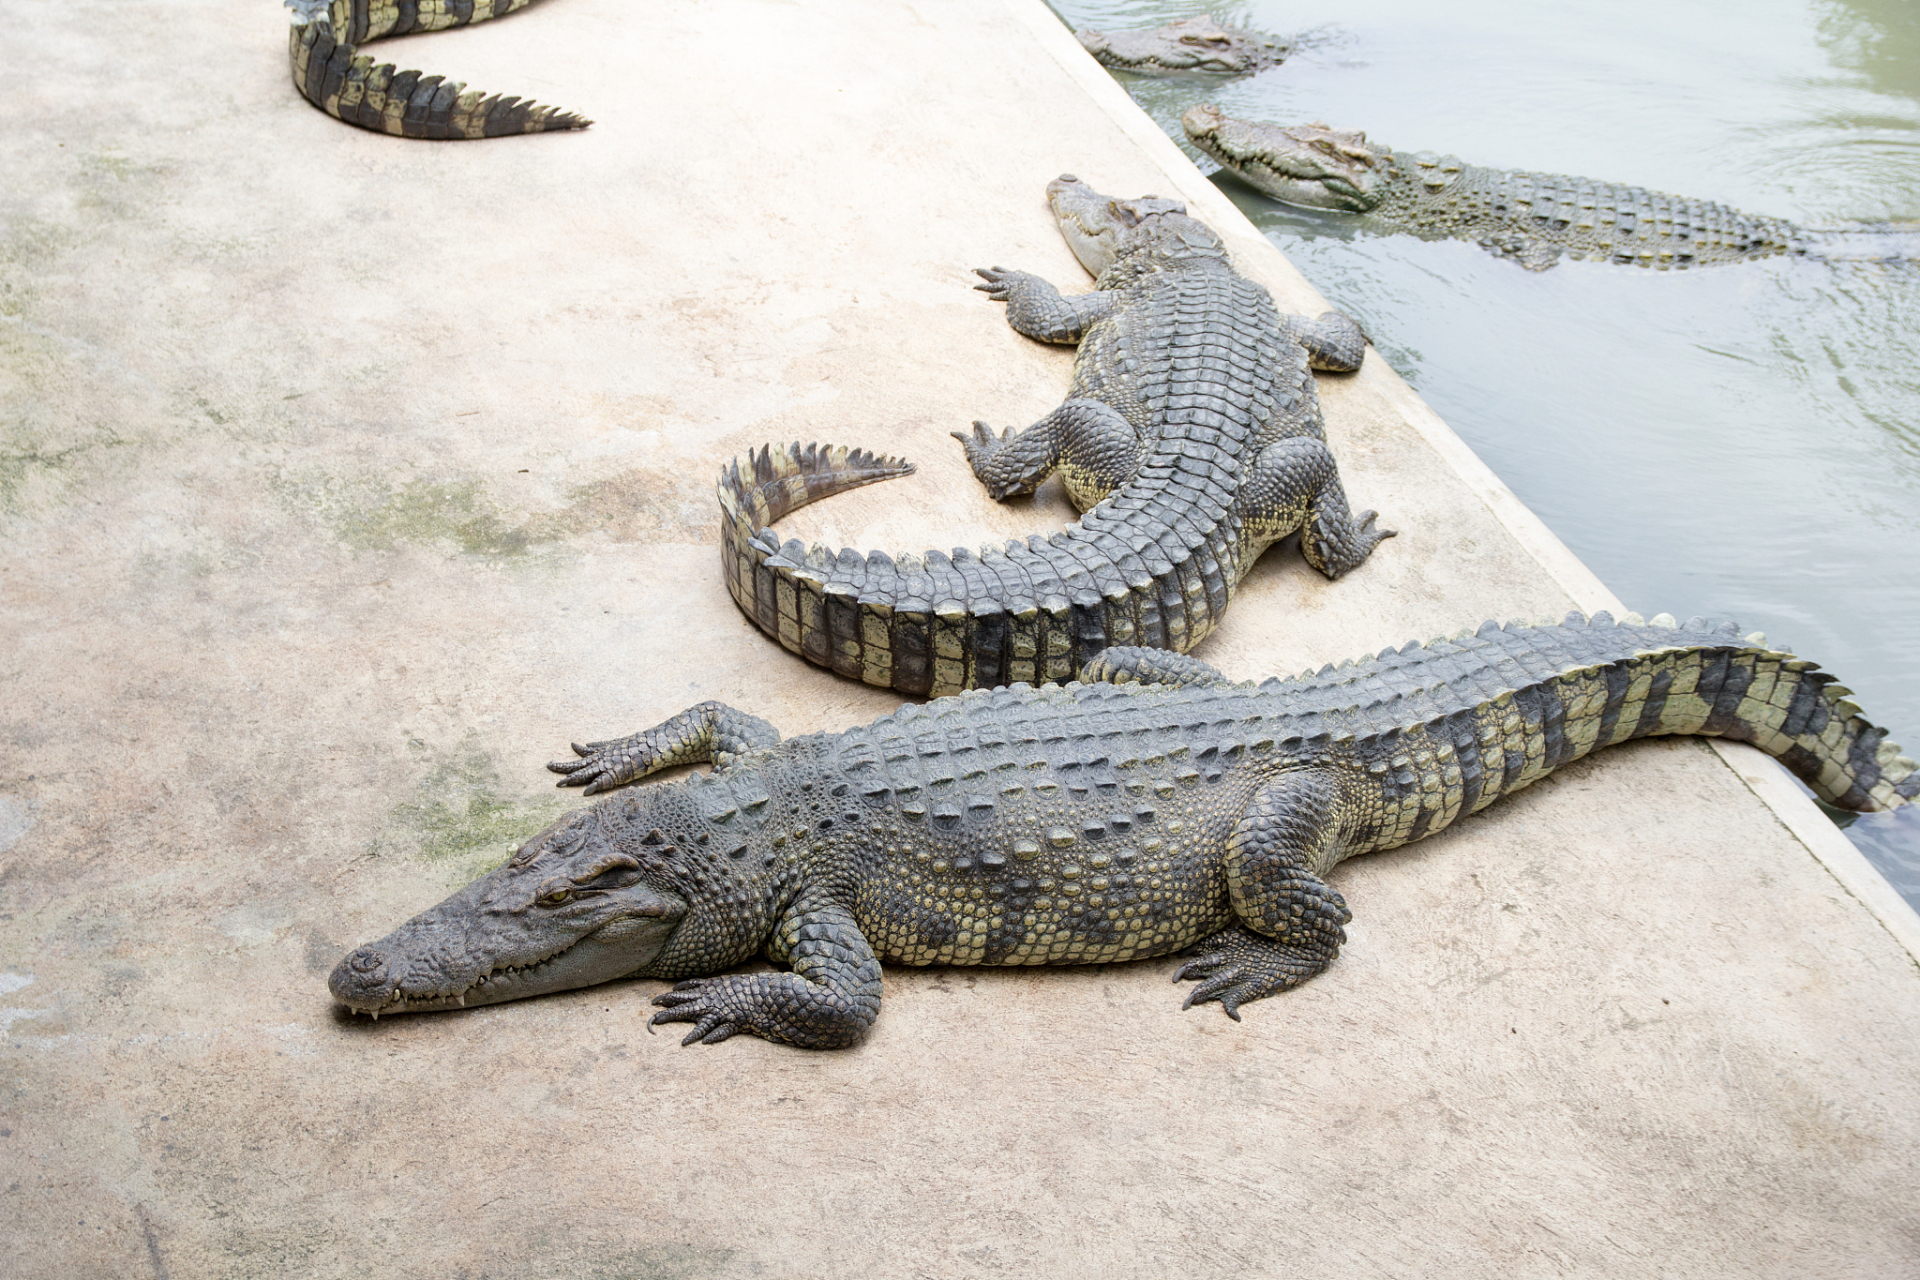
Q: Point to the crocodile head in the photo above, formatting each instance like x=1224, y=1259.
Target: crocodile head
x=1309, y=164
x=1193, y=46
x=1103, y=229
x=580, y=903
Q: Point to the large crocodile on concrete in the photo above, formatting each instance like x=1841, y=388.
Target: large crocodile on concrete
x=1532, y=218
x=1191, y=438
x=332, y=74
x=1191, y=46
x=1090, y=823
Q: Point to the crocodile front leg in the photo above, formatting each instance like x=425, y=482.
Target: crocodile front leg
x=1037, y=310
x=827, y=1002
x=709, y=731
x=1290, y=921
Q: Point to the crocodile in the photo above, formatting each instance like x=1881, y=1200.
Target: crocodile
x=1157, y=807
x=1191, y=46
x=1532, y=218
x=332, y=74
x=1191, y=440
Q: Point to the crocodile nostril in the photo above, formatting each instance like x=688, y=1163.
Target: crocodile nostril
x=366, y=960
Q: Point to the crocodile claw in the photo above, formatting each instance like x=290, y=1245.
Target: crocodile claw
x=999, y=282
x=687, y=1003
x=1239, y=966
x=1216, y=986
x=602, y=766
x=982, y=447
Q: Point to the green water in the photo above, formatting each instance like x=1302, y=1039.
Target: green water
x=1739, y=441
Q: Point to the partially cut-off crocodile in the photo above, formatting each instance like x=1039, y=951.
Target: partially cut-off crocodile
x=1191, y=438
x=1533, y=218
x=1191, y=46
x=1156, y=808
x=332, y=74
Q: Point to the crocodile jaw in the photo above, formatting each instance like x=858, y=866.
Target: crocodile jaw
x=563, y=914
x=1096, y=226
x=1309, y=165
x=376, y=981
x=1194, y=46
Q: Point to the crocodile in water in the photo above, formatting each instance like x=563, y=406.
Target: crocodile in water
x=1192, y=46
x=1191, y=438
x=331, y=73
x=1532, y=218
x=1081, y=824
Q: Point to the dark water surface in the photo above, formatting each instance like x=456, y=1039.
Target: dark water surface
x=1738, y=441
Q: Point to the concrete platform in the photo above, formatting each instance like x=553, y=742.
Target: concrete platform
x=344, y=480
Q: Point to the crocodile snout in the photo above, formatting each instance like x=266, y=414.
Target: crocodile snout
x=363, y=980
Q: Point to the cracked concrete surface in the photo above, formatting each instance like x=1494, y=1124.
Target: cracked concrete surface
x=345, y=479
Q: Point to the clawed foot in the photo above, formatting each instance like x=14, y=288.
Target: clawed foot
x=603, y=765
x=999, y=282
x=982, y=447
x=695, y=1001
x=1340, y=555
x=1235, y=967
x=1368, y=536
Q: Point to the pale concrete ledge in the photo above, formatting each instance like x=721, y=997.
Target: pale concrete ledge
x=345, y=480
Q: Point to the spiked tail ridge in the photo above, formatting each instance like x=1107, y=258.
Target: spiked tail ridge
x=784, y=589
x=330, y=72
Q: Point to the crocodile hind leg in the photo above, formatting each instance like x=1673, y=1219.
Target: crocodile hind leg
x=1130, y=664
x=1093, y=447
x=1290, y=921
x=1037, y=310
x=828, y=1001
x=1295, y=485
x=1334, y=340
x=709, y=731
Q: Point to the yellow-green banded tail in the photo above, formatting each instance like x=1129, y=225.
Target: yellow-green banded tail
x=1482, y=714
x=1432, y=732
x=331, y=73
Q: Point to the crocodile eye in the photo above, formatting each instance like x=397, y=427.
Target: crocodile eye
x=557, y=898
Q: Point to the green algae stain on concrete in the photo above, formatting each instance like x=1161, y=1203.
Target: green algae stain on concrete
x=368, y=515
x=30, y=464
x=460, y=816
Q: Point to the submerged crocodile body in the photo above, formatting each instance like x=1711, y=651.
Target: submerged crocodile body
x=1082, y=824
x=1192, y=440
x=332, y=74
x=1532, y=218
x=1192, y=46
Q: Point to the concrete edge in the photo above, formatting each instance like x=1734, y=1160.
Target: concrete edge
x=1764, y=776
x=1777, y=789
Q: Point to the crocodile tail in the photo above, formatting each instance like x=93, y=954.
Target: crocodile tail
x=780, y=587
x=1864, y=242
x=331, y=73
x=1701, y=677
